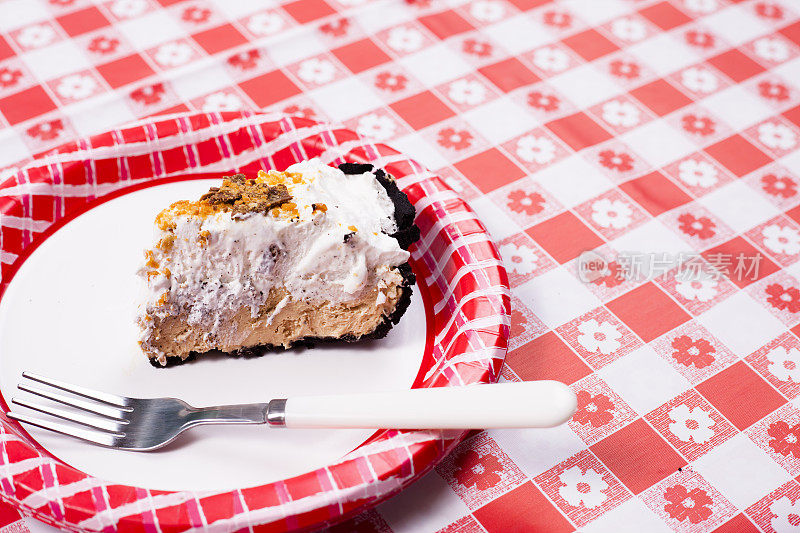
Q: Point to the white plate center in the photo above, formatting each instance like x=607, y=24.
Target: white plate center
x=69, y=314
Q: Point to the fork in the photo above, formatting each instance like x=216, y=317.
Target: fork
x=145, y=424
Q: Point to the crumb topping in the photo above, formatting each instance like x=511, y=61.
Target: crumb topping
x=247, y=196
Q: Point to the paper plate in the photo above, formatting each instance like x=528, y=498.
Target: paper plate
x=73, y=224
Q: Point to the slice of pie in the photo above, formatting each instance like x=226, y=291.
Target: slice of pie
x=312, y=253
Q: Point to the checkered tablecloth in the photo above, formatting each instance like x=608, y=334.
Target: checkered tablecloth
x=658, y=133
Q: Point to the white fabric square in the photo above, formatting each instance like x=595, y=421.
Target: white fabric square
x=235, y=9
x=377, y=16
x=63, y=57
x=572, y=180
x=94, y=115
x=596, y=13
x=741, y=324
x=556, y=297
x=434, y=505
x=789, y=70
x=494, y=218
x=519, y=34
x=738, y=207
x=448, y=65
x=652, y=237
x=345, y=99
x=633, y=516
x=202, y=81
x=151, y=29
x=741, y=471
x=585, y=85
x=421, y=150
x=515, y=120
x=791, y=161
x=13, y=148
x=537, y=450
x=736, y=24
x=644, y=379
x=18, y=13
x=658, y=143
x=738, y=107
x=286, y=51
x=664, y=54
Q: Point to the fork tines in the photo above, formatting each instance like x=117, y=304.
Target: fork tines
x=107, y=418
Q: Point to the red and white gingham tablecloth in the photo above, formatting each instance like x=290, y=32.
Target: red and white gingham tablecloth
x=663, y=134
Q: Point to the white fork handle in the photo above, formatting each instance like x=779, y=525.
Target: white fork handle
x=533, y=404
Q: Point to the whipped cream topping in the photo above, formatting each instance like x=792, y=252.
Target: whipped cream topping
x=218, y=263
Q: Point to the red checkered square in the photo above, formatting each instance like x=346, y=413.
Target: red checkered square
x=648, y=311
x=489, y=170
x=479, y=471
x=736, y=65
x=687, y=502
x=599, y=337
x=523, y=505
x=218, y=507
x=779, y=363
x=564, y=237
x=361, y=55
x=269, y=88
x=741, y=395
x=792, y=32
x=655, y=193
x=422, y=110
x=638, y=456
x=778, y=435
x=738, y=524
x=547, y=357
x=582, y=488
x=82, y=21
x=738, y=155
x=780, y=295
x=446, y=24
x=304, y=11
x=523, y=259
x=578, y=131
x=5, y=49
x=219, y=38
x=509, y=74
x=25, y=105
x=611, y=214
x=125, y=70
x=527, y=5
x=691, y=425
x=601, y=411
x=661, y=97
x=777, y=511
x=793, y=115
x=665, y=15
x=726, y=256
x=590, y=44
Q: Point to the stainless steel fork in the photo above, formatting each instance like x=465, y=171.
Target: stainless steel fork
x=148, y=423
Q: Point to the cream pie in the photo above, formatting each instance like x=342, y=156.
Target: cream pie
x=312, y=253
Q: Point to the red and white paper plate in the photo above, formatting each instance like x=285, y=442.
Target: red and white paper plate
x=462, y=303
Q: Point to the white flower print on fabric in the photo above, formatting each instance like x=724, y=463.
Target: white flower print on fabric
x=786, y=514
x=316, y=70
x=582, y=489
x=487, y=10
x=518, y=259
x=265, y=23
x=784, y=364
x=783, y=240
x=76, y=86
x=173, y=54
x=699, y=80
x=128, y=8
x=36, y=36
x=222, y=101
x=404, y=39
x=771, y=49
x=697, y=173
x=701, y=289
x=600, y=337
x=691, y=424
x=612, y=213
x=776, y=135
x=551, y=59
x=534, y=149
x=377, y=126
x=467, y=92
x=629, y=29
x=621, y=113
x=701, y=6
